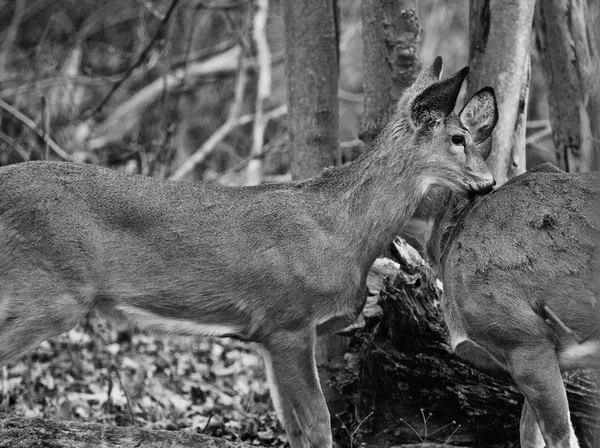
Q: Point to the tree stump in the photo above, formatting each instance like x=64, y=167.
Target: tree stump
x=403, y=385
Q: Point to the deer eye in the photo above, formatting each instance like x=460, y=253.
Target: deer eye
x=458, y=140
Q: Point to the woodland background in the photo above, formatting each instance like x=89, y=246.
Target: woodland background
x=196, y=90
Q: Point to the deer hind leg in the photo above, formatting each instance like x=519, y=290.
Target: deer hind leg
x=34, y=306
x=536, y=371
x=295, y=388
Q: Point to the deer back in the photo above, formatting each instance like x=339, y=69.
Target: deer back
x=528, y=246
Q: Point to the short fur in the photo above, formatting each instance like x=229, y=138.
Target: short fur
x=521, y=271
x=273, y=264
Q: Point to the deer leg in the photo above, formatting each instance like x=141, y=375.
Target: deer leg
x=34, y=306
x=531, y=436
x=535, y=370
x=295, y=388
x=286, y=416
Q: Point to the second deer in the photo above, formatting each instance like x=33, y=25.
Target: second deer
x=521, y=271
x=275, y=264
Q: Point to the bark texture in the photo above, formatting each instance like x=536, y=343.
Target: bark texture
x=567, y=40
x=19, y=432
x=499, y=57
x=312, y=74
x=391, y=36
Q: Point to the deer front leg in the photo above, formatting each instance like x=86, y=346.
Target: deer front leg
x=535, y=370
x=299, y=402
x=531, y=436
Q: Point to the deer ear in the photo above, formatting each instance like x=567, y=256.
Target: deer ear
x=480, y=115
x=437, y=100
x=431, y=73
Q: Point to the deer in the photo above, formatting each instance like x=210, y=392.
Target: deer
x=275, y=264
x=521, y=275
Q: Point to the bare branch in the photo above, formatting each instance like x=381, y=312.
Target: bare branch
x=219, y=135
x=35, y=128
x=139, y=60
x=231, y=122
x=11, y=143
x=11, y=34
x=263, y=91
x=128, y=114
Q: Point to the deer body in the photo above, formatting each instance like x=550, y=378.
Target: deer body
x=535, y=242
x=149, y=248
x=274, y=264
x=521, y=271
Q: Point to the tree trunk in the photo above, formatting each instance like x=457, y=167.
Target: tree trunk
x=499, y=57
x=23, y=432
x=312, y=75
x=567, y=40
x=391, y=37
x=403, y=385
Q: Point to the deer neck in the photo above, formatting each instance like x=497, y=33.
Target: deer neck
x=368, y=201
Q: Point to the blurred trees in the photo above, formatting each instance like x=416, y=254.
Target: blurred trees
x=391, y=37
x=567, y=40
x=178, y=114
x=312, y=77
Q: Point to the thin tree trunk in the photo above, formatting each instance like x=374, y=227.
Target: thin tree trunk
x=312, y=74
x=499, y=57
x=391, y=37
x=566, y=37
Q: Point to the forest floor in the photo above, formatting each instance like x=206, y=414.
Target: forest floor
x=99, y=374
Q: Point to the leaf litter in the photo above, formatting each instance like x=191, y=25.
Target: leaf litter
x=99, y=373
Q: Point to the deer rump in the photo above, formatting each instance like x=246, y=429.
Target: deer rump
x=522, y=265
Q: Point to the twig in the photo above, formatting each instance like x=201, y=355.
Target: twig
x=28, y=382
x=109, y=406
x=129, y=406
x=350, y=96
x=125, y=117
x=538, y=135
x=229, y=5
x=263, y=90
x=15, y=146
x=538, y=123
x=139, y=60
x=207, y=423
x=245, y=119
x=231, y=123
x=46, y=124
x=453, y=432
x=359, y=425
x=5, y=389
x=413, y=429
x=11, y=33
x=35, y=128
x=351, y=143
x=151, y=9
x=164, y=150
